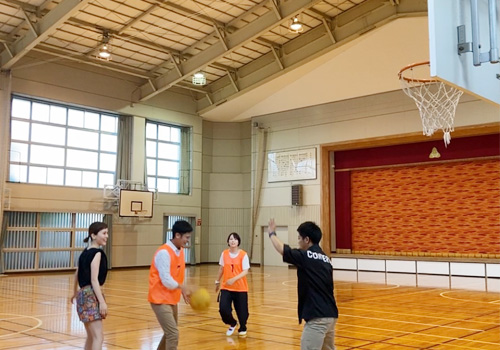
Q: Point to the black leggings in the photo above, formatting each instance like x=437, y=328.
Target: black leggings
x=240, y=301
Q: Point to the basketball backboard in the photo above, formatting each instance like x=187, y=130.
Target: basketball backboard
x=445, y=20
x=136, y=203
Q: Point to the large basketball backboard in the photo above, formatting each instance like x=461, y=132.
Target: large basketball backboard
x=136, y=203
x=445, y=18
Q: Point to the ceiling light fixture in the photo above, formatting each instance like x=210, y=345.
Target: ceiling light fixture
x=199, y=78
x=296, y=26
x=104, y=51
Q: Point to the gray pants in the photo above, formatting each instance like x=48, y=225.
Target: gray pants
x=318, y=334
x=167, y=317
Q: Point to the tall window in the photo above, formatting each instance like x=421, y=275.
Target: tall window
x=168, y=157
x=63, y=145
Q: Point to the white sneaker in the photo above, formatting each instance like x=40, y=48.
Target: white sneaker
x=242, y=334
x=230, y=331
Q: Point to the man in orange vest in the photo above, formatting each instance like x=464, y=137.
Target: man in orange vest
x=166, y=278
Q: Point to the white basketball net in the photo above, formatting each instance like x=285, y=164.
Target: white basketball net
x=436, y=101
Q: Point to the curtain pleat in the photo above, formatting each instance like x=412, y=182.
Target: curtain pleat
x=124, y=154
x=185, y=164
x=3, y=233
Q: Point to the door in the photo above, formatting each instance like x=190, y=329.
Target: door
x=189, y=253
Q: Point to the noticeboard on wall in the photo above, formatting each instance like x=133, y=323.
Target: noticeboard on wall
x=291, y=165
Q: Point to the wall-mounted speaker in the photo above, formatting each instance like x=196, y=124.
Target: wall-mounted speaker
x=296, y=194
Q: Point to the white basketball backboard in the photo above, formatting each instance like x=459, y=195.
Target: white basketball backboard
x=445, y=18
x=136, y=203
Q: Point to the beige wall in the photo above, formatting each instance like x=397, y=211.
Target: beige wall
x=134, y=240
x=224, y=161
x=378, y=116
x=226, y=186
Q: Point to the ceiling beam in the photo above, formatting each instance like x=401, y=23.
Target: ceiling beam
x=93, y=62
x=124, y=36
x=229, y=28
x=134, y=20
x=188, y=13
x=234, y=41
x=20, y=4
x=45, y=26
x=346, y=27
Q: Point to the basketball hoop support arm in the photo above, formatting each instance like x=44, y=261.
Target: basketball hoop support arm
x=479, y=57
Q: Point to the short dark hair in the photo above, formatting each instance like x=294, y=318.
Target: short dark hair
x=182, y=227
x=236, y=237
x=311, y=230
x=95, y=228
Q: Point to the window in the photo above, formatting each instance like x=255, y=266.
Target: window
x=167, y=158
x=61, y=145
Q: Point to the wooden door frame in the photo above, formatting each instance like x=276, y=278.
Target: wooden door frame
x=325, y=149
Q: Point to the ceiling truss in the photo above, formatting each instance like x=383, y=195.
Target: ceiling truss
x=239, y=45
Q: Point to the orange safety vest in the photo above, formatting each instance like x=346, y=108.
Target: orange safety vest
x=233, y=267
x=158, y=293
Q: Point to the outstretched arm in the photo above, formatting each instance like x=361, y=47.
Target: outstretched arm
x=277, y=244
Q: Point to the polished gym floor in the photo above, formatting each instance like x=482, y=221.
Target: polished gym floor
x=377, y=311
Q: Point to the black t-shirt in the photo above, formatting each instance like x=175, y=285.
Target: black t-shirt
x=315, y=282
x=84, y=276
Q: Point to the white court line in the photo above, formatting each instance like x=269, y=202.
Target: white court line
x=413, y=315
x=393, y=286
x=414, y=323
x=467, y=300
x=415, y=333
x=39, y=323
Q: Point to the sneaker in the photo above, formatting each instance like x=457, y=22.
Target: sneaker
x=230, y=331
x=242, y=334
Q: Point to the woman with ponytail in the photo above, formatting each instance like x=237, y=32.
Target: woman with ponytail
x=90, y=276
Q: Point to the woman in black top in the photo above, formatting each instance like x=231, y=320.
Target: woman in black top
x=90, y=275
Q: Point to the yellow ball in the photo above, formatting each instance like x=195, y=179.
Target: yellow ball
x=200, y=300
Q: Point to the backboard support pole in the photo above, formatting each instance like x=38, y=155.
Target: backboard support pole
x=479, y=57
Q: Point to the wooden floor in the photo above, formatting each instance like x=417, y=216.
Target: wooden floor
x=378, y=311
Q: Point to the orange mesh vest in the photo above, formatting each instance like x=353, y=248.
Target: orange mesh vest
x=233, y=267
x=158, y=293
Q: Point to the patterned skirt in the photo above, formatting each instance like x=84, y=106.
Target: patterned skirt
x=87, y=305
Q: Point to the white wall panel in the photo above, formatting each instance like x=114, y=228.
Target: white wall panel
x=344, y=263
x=401, y=266
x=433, y=267
x=371, y=265
x=467, y=269
x=493, y=270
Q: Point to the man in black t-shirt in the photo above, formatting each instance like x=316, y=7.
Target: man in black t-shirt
x=314, y=285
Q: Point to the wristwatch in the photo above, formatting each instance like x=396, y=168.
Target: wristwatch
x=272, y=234
x=217, y=282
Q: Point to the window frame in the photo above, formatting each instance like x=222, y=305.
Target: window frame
x=187, y=141
x=18, y=256
x=27, y=166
